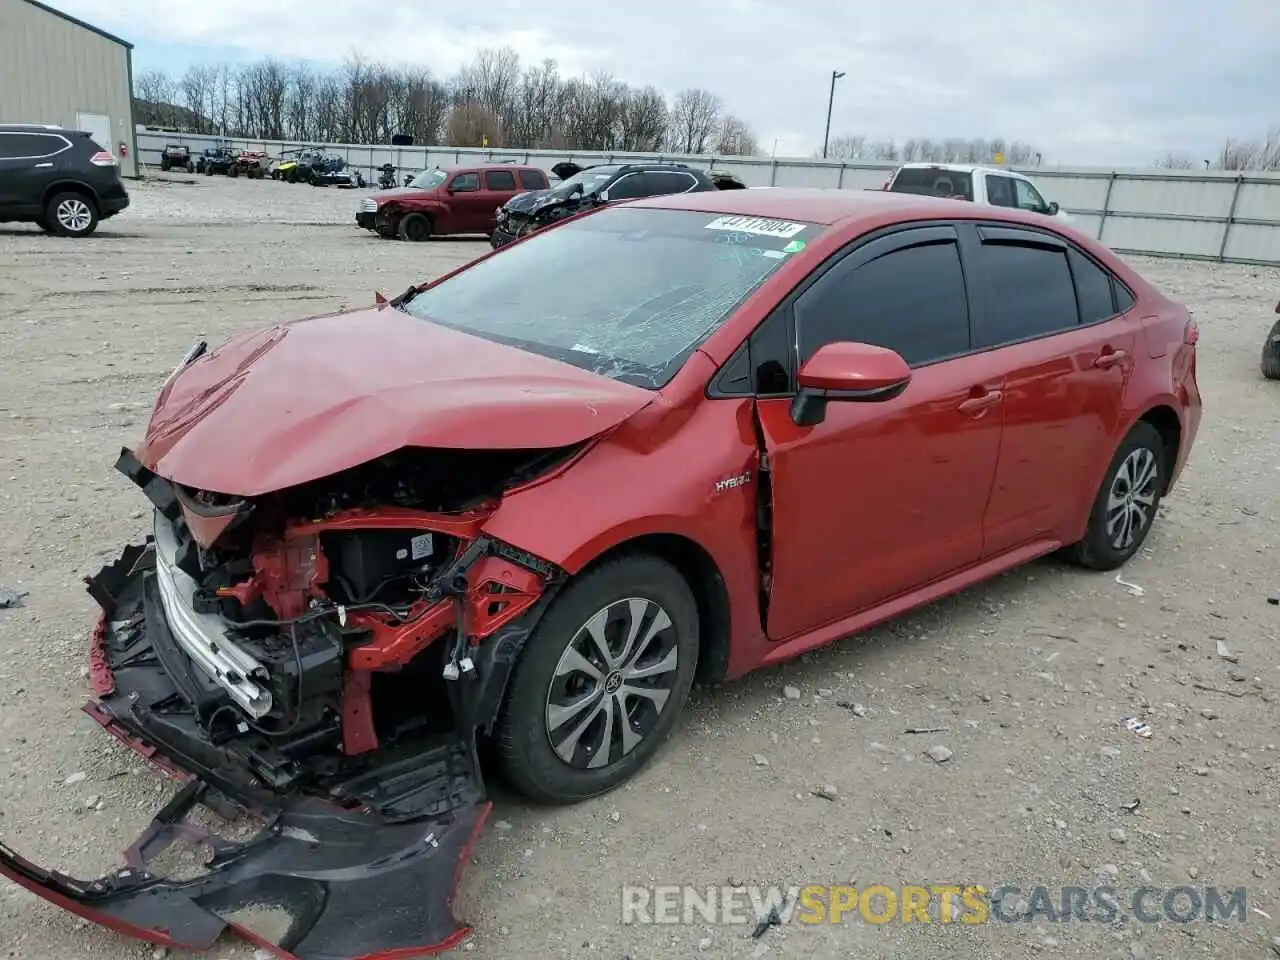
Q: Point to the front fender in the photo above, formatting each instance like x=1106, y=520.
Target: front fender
x=690, y=473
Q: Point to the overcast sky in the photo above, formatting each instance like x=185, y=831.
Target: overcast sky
x=1088, y=82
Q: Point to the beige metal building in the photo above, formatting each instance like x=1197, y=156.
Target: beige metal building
x=57, y=69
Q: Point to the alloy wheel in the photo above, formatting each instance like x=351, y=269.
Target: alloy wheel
x=1131, y=500
x=612, y=683
x=74, y=215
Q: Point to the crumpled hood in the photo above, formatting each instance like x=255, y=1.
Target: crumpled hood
x=529, y=201
x=304, y=400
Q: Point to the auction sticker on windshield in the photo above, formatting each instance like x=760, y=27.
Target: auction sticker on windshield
x=759, y=226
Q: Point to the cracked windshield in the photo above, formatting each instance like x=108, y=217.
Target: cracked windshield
x=637, y=289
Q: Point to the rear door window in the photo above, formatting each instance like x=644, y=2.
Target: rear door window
x=1026, y=287
x=910, y=299
x=629, y=186
x=533, y=180
x=500, y=181
x=934, y=182
x=1000, y=190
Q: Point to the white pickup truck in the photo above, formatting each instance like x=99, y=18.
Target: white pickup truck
x=993, y=186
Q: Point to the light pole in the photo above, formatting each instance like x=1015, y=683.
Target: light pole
x=826, y=137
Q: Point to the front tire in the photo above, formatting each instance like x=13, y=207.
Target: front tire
x=71, y=215
x=1126, y=505
x=601, y=681
x=1271, y=354
x=414, y=227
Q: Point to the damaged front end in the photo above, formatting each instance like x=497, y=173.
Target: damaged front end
x=320, y=661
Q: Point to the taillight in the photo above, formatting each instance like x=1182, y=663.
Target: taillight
x=103, y=158
x=1191, y=333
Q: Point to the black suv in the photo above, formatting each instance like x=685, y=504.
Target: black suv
x=57, y=178
x=582, y=188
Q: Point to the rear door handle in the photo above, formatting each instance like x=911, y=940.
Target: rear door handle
x=42, y=165
x=1109, y=358
x=978, y=404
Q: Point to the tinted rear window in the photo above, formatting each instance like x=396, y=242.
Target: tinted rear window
x=933, y=182
x=533, y=180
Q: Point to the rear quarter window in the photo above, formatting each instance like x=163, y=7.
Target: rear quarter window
x=21, y=145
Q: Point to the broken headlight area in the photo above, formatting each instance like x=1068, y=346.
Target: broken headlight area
x=322, y=656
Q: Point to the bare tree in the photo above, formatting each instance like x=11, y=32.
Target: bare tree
x=855, y=147
x=472, y=125
x=644, y=121
x=1263, y=154
x=734, y=138
x=1175, y=161
x=695, y=115
x=535, y=120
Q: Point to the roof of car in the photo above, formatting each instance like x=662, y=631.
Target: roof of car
x=816, y=205
x=491, y=165
x=962, y=168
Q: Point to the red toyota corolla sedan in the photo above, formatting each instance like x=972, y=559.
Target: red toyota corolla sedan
x=524, y=506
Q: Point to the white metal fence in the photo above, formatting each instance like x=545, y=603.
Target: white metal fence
x=1204, y=215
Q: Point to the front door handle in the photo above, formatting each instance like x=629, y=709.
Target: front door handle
x=40, y=166
x=1110, y=358
x=978, y=404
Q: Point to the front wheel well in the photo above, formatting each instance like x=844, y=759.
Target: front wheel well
x=703, y=577
x=1166, y=423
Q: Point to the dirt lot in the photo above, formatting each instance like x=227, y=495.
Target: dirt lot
x=1027, y=676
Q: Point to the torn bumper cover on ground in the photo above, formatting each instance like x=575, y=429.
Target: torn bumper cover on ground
x=315, y=884
x=360, y=864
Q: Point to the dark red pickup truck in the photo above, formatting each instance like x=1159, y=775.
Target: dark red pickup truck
x=448, y=200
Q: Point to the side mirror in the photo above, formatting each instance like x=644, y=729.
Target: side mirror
x=845, y=371
x=1053, y=208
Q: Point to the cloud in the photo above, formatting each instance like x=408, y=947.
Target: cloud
x=1086, y=81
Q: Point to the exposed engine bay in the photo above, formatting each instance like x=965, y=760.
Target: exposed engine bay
x=322, y=658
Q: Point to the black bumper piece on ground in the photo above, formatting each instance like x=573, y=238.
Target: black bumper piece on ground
x=363, y=866
x=315, y=884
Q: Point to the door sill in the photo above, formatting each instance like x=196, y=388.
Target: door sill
x=873, y=616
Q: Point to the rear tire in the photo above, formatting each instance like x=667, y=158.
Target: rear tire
x=620, y=710
x=233, y=171
x=414, y=227
x=1271, y=354
x=71, y=215
x=1126, y=505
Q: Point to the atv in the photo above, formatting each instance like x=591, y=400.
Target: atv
x=219, y=158
x=1271, y=351
x=177, y=156
x=252, y=163
x=312, y=165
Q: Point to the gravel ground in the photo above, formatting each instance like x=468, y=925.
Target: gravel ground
x=1027, y=676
